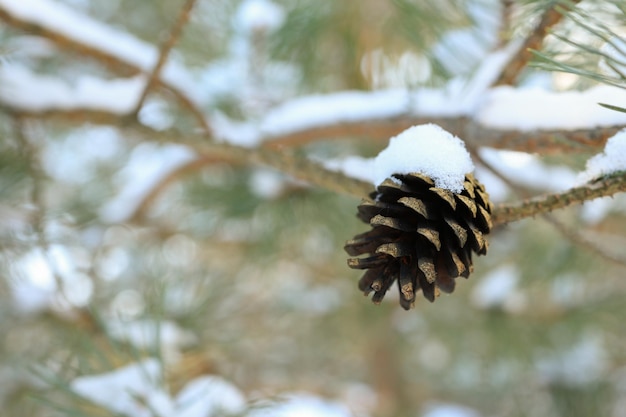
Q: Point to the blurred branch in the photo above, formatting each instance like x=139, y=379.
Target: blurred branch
x=288, y=163
x=514, y=68
x=112, y=61
x=380, y=130
x=506, y=20
x=577, y=238
x=173, y=36
x=536, y=141
x=272, y=153
x=175, y=175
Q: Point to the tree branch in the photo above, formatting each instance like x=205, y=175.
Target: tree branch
x=175, y=175
x=514, y=68
x=536, y=141
x=115, y=62
x=164, y=52
x=506, y=213
x=316, y=175
x=573, y=235
x=380, y=130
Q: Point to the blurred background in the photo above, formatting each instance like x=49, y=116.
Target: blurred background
x=137, y=282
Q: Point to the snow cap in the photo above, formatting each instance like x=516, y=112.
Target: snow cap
x=429, y=150
x=613, y=159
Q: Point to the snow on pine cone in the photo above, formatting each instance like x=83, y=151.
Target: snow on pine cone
x=422, y=236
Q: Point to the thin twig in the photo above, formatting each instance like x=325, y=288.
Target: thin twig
x=506, y=19
x=566, y=231
x=173, y=36
x=606, y=187
x=514, y=68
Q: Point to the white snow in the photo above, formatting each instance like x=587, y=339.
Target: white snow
x=245, y=134
x=56, y=16
x=498, y=289
x=527, y=109
x=528, y=170
x=524, y=109
x=461, y=49
x=612, y=159
x=60, y=18
x=259, y=15
x=459, y=98
x=38, y=274
x=449, y=410
x=470, y=93
x=22, y=89
x=132, y=390
x=209, y=396
x=348, y=106
x=353, y=166
x=429, y=150
x=498, y=189
x=137, y=390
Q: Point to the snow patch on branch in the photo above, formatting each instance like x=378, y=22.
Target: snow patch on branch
x=137, y=390
x=22, y=89
x=59, y=18
x=612, y=160
x=532, y=108
x=353, y=166
x=529, y=170
x=320, y=110
x=428, y=150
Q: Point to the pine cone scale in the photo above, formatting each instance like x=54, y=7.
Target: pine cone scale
x=418, y=206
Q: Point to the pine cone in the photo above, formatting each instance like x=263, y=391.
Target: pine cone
x=422, y=236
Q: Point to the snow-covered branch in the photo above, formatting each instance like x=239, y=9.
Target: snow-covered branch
x=528, y=119
x=116, y=49
x=531, y=120
x=524, y=120
x=605, y=187
x=316, y=174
